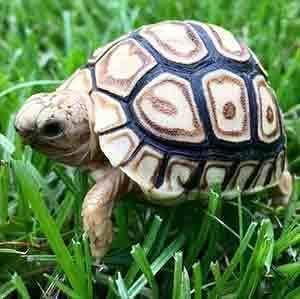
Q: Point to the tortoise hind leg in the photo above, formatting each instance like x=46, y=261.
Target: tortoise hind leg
x=282, y=192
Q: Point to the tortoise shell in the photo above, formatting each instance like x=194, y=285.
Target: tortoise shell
x=184, y=105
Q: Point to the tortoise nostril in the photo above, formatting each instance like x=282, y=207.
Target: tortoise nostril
x=52, y=129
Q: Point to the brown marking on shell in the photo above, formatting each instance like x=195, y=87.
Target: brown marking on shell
x=222, y=87
x=177, y=41
x=143, y=168
x=122, y=66
x=175, y=117
x=269, y=114
x=226, y=44
x=118, y=146
x=80, y=81
x=214, y=172
x=163, y=106
x=267, y=111
x=229, y=110
x=108, y=112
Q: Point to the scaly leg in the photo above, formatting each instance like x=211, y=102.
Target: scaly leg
x=97, y=208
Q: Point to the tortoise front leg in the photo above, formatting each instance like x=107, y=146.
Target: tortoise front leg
x=97, y=209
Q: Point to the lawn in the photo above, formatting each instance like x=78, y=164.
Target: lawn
x=242, y=248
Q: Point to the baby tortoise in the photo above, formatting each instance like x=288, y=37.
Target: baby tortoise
x=169, y=109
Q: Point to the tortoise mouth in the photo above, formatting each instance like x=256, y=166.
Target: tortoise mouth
x=64, y=153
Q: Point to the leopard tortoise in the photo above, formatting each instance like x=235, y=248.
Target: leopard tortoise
x=171, y=109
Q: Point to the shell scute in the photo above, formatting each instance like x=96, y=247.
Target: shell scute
x=119, y=145
x=143, y=168
x=166, y=107
x=226, y=43
x=80, y=81
x=176, y=41
x=120, y=68
x=228, y=105
x=108, y=112
x=267, y=111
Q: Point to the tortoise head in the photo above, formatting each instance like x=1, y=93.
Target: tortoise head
x=58, y=125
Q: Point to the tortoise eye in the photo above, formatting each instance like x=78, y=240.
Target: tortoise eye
x=52, y=129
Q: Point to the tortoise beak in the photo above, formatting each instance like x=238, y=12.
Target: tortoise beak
x=23, y=132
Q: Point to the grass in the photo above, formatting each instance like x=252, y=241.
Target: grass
x=234, y=249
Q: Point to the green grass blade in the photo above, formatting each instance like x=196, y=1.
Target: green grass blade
x=185, y=285
x=4, y=188
x=200, y=239
x=20, y=286
x=260, y=260
x=147, y=245
x=238, y=255
x=241, y=226
x=163, y=234
x=215, y=270
x=67, y=181
x=65, y=210
x=6, y=289
x=67, y=31
x=48, y=225
x=65, y=289
x=6, y=145
x=112, y=291
x=140, y=258
x=290, y=237
x=78, y=258
x=88, y=265
x=295, y=294
x=157, y=265
x=121, y=216
x=28, y=84
x=197, y=280
x=291, y=270
x=177, y=277
x=40, y=258
x=123, y=292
